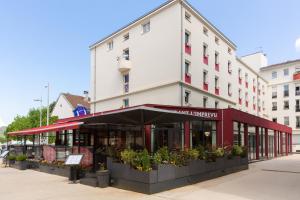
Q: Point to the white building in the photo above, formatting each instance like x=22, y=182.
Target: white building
x=172, y=56
x=67, y=103
x=284, y=95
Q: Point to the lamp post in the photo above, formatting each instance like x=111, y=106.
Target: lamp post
x=48, y=92
x=41, y=101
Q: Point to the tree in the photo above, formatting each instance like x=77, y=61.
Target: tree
x=31, y=120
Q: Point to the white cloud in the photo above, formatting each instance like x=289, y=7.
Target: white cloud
x=297, y=44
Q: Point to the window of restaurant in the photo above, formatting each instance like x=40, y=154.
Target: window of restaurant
x=262, y=142
x=203, y=133
x=238, y=134
x=270, y=143
x=170, y=135
x=251, y=143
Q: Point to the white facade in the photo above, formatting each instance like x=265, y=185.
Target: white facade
x=149, y=61
x=63, y=108
x=284, y=96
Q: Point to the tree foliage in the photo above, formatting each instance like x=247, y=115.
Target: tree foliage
x=31, y=120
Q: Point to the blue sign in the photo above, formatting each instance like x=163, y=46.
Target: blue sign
x=80, y=111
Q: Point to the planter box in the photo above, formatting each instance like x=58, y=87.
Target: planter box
x=103, y=178
x=11, y=162
x=21, y=165
x=60, y=171
x=165, y=172
x=196, y=167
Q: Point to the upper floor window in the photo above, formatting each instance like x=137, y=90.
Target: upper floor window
x=286, y=90
x=229, y=50
x=286, y=121
x=229, y=67
x=229, y=89
x=110, y=45
x=297, y=121
x=205, y=77
x=125, y=103
x=216, y=58
x=216, y=82
x=126, y=54
x=205, y=51
x=274, y=75
x=286, y=105
x=187, y=67
x=188, y=16
x=286, y=72
x=217, y=40
x=240, y=93
x=274, y=106
x=274, y=92
x=126, y=37
x=146, y=27
x=240, y=73
x=297, y=90
x=187, y=97
x=246, y=96
x=205, y=31
x=216, y=104
x=205, y=99
x=274, y=119
x=126, y=82
x=187, y=38
x=246, y=78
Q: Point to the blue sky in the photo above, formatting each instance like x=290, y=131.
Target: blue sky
x=48, y=40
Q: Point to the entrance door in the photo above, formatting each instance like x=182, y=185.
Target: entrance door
x=251, y=146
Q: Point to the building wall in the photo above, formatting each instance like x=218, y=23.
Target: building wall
x=277, y=84
x=62, y=108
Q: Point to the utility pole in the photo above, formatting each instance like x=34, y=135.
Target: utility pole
x=41, y=107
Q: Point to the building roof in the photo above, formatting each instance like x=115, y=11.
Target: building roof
x=74, y=100
x=167, y=3
x=279, y=64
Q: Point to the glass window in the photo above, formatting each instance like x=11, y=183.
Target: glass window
x=216, y=58
x=297, y=90
x=286, y=90
x=146, y=27
x=126, y=82
x=188, y=16
x=216, y=104
x=205, y=99
x=286, y=72
x=126, y=54
x=286, y=105
x=297, y=121
x=187, y=67
x=187, y=97
x=187, y=38
x=274, y=119
x=216, y=82
x=203, y=133
x=205, y=50
x=286, y=121
x=126, y=37
x=110, y=45
x=125, y=103
x=205, y=31
x=274, y=106
x=274, y=75
x=274, y=92
x=205, y=76
x=229, y=89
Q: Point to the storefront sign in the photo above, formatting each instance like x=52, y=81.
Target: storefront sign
x=203, y=114
x=74, y=159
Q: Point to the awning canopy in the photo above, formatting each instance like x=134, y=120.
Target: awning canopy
x=140, y=115
x=45, y=129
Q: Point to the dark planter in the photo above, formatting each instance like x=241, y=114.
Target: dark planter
x=165, y=172
x=220, y=163
x=46, y=168
x=210, y=166
x=244, y=161
x=11, y=162
x=61, y=171
x=21, y=165
x=182, y=171
x=196, y=167
x=103, y=178
x=233, y=162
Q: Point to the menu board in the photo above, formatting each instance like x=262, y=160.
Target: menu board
x=74, y=159
x=4, y=154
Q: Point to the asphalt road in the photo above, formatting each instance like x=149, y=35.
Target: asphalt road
x=273, y=179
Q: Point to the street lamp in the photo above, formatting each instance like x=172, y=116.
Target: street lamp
x=41, y=101
x=48, y=92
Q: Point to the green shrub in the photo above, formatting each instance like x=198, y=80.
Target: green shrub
x=201, y=152
x=245, y=152
x=237, y=150
x=219, y=152
x=142, y=161
x=21, y=157
x=128, y=156
x=179, y=158
x=193, y=154
x=11, y=157
x=157, y=158
x=164, y=154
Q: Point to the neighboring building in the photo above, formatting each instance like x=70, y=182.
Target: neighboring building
x=284, y=96
x=173, y=56
x=69, y=105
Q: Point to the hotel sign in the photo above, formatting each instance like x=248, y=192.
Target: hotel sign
x=203, y=114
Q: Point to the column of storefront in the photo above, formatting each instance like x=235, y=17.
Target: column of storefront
x=257, y=142
x=275, y=143
x=286, y=144
x=266, y=143
x=148, y=137
x=187, y=137
x=246, y=135
x=280, y=143
x=291, y=142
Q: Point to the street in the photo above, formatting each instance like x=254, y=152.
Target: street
x=273, y=179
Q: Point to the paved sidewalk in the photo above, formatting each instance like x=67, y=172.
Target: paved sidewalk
x=273, y=179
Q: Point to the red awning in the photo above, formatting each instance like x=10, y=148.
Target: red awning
x=50, y=128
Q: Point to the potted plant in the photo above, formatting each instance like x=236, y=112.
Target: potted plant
x=102, y=176
x=11, y=160
x=21, y=162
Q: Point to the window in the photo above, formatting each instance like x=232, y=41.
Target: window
x=254, y=102
x=205, y=102
x=126, y=54
x=205, y=31
x=126, y=82
x=216, y=58
x=216, y=104
x=274, y=106
x=110, y=45
x=297, y=105
x=286, y=90
x=216, y=82
x=240, y=73
x=286, y=105
x=286, y=121
x=205, y=53
x=187, y=97
x=274, y=92
x=146, y=27
x=217, y=41
x=240, y=94
x=187, y=38
x=229, y=67
x=274, y=119
x=229, y=89
x=274, y=75
x=229, y=50
x=297, y=90
x=187, y=67
x=188, y=16
x=246, y=79
x=297, y=121
x=125, y=103
x=205, y=77
x=286, y=72
x=126, y=37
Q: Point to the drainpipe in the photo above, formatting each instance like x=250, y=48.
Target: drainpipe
x=181, y=55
